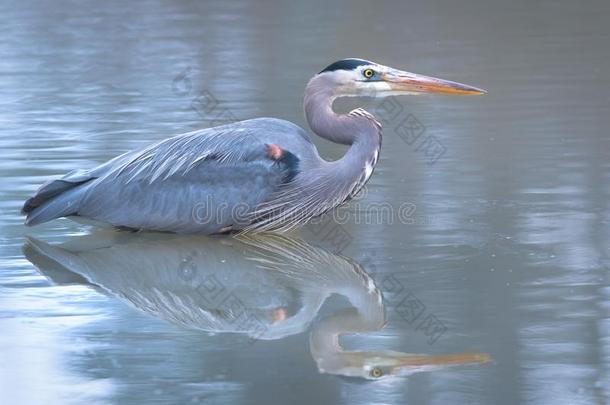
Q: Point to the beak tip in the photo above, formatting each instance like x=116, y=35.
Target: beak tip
x=475, y=91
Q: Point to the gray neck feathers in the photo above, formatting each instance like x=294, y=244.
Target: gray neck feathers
x=345, y=129
x=358, y=128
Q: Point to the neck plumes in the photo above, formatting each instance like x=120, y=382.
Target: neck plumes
x=357, y=128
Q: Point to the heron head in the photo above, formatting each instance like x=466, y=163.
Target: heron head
x=358, y=77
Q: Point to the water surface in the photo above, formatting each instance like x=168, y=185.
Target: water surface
x=503, y=245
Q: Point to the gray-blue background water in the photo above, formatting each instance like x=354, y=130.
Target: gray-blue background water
x=507, y=246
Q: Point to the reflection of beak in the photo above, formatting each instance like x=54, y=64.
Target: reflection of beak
x=411, y=83
x=409, y=363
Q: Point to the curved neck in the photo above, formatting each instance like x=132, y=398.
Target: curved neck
x=357, y=127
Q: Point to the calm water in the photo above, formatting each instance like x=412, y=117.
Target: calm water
x=502, y=247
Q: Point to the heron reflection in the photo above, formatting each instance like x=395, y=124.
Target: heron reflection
x=207, y=283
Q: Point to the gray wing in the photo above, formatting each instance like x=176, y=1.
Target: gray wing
x=204, y=181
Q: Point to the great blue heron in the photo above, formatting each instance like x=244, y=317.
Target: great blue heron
x=205, y=284
x=254, y=175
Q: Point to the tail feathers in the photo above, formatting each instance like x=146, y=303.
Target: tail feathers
x=56, y=198
x=55, y=187
x=65, y=204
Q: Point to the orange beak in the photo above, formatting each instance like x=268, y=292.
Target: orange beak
x=411, y=83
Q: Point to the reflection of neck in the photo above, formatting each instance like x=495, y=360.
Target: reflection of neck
x=326, y=335
x=367, y=315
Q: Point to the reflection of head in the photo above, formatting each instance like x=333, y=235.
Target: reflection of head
x=332, y=358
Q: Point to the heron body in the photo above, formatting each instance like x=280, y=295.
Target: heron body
x=254, y=175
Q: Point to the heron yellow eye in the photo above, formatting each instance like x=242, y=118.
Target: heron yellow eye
x=376, y=372
x=368, y=73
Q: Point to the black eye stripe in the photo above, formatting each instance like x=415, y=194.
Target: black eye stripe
x=346, y=64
